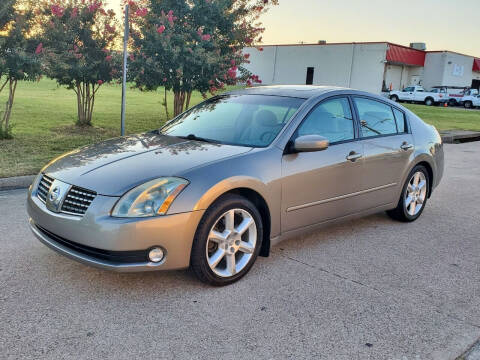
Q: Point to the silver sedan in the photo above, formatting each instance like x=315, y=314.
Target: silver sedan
x=220, y=184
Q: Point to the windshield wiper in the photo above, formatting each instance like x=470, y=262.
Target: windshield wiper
x=197, y=138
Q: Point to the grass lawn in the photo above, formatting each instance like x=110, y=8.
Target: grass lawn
x=452, y=118
x=44, y=114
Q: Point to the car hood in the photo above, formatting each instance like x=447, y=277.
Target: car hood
x=115, y=166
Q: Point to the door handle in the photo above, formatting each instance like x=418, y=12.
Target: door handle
x=406, y=146
x=353, y=156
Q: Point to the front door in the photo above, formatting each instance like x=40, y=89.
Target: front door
x=387, y=146
x=319, y=186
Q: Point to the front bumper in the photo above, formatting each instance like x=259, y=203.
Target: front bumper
x=87, y=239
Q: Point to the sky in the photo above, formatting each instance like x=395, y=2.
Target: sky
x=442, y=24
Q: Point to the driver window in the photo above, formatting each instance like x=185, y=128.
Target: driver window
x=331, y=119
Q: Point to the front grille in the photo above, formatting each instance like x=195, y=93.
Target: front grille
x=44, y=187
x=78, y=200
x=117, y=257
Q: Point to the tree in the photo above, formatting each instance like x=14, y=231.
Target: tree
x=187, y=45
x=18, y=58
x=77, y=38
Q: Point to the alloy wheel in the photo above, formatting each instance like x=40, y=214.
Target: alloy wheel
x=231, y=242
x=415, y=193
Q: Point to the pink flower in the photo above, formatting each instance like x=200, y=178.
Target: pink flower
x=57, y=10
x=164, y=79
x=200, y=32
x=249, y=83
x=171, y=18
x=110, y=29
x=100, y=82
x=161, y=29
x=132, y=57
x=108, y=58
x=74, y=13
x=260, y=49
x=206, y=37
x=94, y=7
x=232, y=62
x=39, y=49
x=246, y=56
x=141, y=12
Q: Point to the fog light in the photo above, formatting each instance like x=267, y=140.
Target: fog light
x=156, y=255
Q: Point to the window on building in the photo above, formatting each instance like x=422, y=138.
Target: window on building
x=331, y=119
x=310, y=73
x=376, y=118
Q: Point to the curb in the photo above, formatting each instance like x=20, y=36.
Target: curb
x=459, y=136
x=17, y=182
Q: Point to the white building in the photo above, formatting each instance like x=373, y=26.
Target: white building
x=372, y=67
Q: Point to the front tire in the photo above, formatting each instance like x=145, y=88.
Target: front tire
x=414, y=196
x=227, y=241
x=394, y=98
x=429, y=101
x=468, y=104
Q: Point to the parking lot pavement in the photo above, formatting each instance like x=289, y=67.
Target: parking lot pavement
x=365, y=289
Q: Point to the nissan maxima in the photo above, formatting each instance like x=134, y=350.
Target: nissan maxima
x=217, y=186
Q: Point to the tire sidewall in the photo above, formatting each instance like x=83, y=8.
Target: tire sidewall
x=221, y=206
x=394, y=98
x=429, y=102
x=417, y=168
x=468, y=105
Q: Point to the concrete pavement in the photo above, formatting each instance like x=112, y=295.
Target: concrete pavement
x=365, y=289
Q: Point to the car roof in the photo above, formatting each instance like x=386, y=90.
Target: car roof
x=297, y=91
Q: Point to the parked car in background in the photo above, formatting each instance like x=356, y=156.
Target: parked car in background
x=418, y=94
x=451, y=94
x=219, y=184
x=470, y=101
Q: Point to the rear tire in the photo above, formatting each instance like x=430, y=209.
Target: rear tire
x=468, y=104
x=394, y=98
x=414, y=196
x=221, y=252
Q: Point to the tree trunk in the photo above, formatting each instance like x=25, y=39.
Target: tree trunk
x=189, y=95
x=5, y=122
x=165, y=105
x=178, y=102
x=85, y=102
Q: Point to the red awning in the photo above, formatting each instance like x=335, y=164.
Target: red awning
x=404, y=55
x=476, y=64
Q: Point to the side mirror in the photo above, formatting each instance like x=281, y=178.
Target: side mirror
x=310, y=143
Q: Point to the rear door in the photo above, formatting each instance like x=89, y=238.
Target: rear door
x=388, y=146
x=319, y=186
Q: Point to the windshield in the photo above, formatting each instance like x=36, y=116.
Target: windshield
x=243, y=120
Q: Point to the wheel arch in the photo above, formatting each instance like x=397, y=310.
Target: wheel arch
x=429, y=168
x=251, y=189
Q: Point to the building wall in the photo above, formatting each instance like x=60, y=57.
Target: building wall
x=359, y=66
x=448, y=69
x=401, y=76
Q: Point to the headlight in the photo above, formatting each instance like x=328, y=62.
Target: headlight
x=150, y=199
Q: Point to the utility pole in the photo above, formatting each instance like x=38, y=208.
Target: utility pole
x=124, y=82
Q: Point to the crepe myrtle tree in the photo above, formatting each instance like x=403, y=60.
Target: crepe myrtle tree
x=76, y=41
x=19, y=60
x=193, y=45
